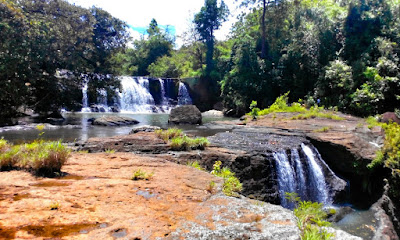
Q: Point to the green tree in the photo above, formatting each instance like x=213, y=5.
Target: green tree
x=209, y=19
x=147, y=51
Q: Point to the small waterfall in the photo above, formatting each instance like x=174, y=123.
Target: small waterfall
x=135, y=95
x=164, y=100
x=286, y=177
x=301, y=178
x=85, y=100
x=316, y=176
x=183, y=95
x=304, y=176
x=102, y=100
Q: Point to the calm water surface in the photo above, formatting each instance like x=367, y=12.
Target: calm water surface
x=77, y=128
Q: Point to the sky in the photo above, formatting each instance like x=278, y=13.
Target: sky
x=176, y=14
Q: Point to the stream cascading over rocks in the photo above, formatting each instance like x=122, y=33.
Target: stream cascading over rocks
x=270, y=164
x=136, y=96
x=304, y=178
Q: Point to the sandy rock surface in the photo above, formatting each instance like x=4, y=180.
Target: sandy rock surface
x=96, y=199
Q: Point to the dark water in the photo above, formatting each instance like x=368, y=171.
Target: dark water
x=77, y=128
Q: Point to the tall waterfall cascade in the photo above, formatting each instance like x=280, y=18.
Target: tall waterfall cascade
x=304, y=176
x=139, y=95
x=135, y=95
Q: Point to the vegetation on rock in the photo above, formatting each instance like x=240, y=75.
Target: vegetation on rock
x=180, y=142
x=39, y=156
x=232, y=185
x=141, y=175
x=389, y=155
x=310, y=218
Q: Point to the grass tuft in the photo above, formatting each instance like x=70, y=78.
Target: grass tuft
x=141, y=175
x=232, y=185
x=310, y=218
x=39, y=156
x=196, y=165
x=181, y=142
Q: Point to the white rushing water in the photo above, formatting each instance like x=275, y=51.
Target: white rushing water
x=303, y=176
x=286, y=177
x=183, y=95
x=135, y=95
x=85, y=100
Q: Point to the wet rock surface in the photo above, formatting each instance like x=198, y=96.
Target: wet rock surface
x=142, y=141
x=114, y=121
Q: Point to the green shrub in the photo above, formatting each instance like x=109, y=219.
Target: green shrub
x=232, y=185
x=255, y=111
x=141, y=175
x=281, y=105
x=310, y=218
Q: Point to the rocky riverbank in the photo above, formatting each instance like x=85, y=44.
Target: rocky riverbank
x=96, y=199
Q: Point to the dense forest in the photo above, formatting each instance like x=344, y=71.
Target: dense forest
x=344, y=53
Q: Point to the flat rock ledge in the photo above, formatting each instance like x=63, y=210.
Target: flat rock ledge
x=96, y=199
x=114, y=121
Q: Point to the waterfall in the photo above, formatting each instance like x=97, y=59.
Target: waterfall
x=317, y=178
x=164, y=100
x=85, y=100
x=286, y=177
x=102, y=100
x=304, y=176
x=183, y=95
x=135, y=95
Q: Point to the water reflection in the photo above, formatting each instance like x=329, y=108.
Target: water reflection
x=77, y=127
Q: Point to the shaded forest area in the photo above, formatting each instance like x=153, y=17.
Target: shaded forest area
x=344, y=53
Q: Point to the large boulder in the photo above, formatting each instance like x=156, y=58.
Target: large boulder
x=188, y=114
x=388, y=117
x=114, y=121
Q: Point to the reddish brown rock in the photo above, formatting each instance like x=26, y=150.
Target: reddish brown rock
x=388, y=117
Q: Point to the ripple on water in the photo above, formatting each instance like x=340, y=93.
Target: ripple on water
x=359, y=223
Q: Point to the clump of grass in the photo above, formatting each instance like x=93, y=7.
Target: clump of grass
x=195, y=164
x=44, y=157
x=141, y=175
x=323, y=129
x=55, y=206
x=9, y=157
x=211, y=187
x=181, y=142
x=39, y=156
x=109, y=151
x=187, y=143
x=310, y=218
x=168, y=134
x=317, y=112
x=232, y=185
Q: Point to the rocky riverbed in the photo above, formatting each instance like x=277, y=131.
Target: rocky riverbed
x=95, y=197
